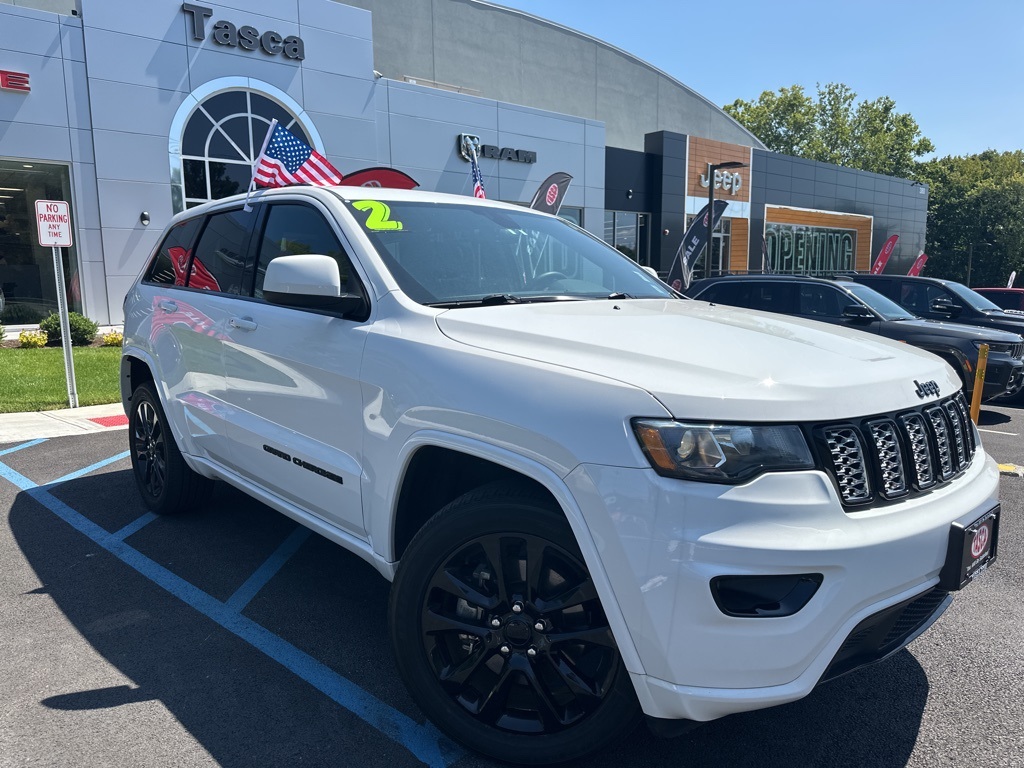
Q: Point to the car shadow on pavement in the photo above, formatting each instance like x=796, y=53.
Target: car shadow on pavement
x=989, y=418
x=245, y=709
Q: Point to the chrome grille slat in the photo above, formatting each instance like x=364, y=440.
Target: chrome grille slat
x=941, y=434
x=920, y=452
x=848, y=461
x=884, y=457
x=890, y=458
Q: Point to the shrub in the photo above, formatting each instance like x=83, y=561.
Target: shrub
x=113, y=339
x=83, y=330
x=20, y=314
x=32, y=339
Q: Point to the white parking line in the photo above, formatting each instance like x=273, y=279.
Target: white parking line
x=997, y=432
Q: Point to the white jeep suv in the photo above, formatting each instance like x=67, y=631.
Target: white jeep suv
x=596, y=499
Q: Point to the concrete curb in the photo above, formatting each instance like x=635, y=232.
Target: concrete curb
x=16, y=427
x=1011, y=469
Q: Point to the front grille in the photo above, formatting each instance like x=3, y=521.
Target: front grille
x=888, y=456
x=1017, y=350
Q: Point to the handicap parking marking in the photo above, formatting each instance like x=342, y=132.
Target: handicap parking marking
x=29, y=444
x=424, y=741
x=269, y=569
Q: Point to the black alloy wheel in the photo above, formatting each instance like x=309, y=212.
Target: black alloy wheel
x=149, y=450
x=513, y=653
x=165, y=481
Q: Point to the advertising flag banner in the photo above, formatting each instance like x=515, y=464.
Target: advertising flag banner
x=287, y=160
x=883, y=255
x=549, y=195
x=918, y=266
x=681, y=271
x=1013, y=276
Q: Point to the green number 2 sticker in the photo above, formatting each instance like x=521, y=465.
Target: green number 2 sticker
x=380, y=214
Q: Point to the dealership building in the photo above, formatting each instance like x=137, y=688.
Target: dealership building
x=132, y=112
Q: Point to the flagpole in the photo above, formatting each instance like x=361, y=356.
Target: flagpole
x=256, y=163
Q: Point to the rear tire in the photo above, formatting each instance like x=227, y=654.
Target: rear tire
x=167, y=484
x=499, y=634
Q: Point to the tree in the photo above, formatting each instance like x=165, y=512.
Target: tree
x=870, y=136
x=976, y=208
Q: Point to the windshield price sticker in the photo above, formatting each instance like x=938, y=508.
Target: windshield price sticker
x=380, y=215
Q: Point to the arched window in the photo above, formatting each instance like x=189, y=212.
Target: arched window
x=221, y=131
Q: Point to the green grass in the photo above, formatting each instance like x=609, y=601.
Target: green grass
x=33, y=379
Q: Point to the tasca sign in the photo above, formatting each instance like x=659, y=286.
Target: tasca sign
x=53, y=222
x=245, y=37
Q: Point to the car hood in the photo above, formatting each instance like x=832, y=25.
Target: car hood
x=710, y=361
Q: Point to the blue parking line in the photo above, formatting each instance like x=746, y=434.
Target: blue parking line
x=29, y=444
x=135, y=526
x=268, y=570
x=424, y=741
x=91, y=468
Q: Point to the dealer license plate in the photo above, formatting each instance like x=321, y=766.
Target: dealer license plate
x=972, y=549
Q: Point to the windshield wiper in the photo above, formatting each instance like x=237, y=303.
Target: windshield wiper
x=486, y=301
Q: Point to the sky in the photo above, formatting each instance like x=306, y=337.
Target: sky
x=956, y=67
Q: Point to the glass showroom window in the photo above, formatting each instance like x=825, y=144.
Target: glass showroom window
x=221, y=140
x=627, y=232
x=28, y=289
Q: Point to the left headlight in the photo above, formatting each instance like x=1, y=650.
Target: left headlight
x=996, y=346
x=721, y=453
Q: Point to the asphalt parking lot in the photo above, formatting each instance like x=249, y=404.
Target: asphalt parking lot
x=230, y=636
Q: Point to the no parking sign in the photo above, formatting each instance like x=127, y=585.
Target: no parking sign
x=53, y=222
x=53, y=225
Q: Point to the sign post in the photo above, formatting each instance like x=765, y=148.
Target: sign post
x=53, y=224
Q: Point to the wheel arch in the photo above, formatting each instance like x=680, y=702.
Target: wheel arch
x=135, y=370
x=495, y=462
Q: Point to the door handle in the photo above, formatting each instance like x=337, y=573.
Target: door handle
x=242, y=323
x=168, y=306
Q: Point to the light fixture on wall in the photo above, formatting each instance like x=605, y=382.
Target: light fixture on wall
x=144, y=218
x=629, y=194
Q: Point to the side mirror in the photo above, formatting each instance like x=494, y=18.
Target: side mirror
x=858, y=312
x=310, y=281
x=945, y=307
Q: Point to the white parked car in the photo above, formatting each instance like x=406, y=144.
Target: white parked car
x=596, y=500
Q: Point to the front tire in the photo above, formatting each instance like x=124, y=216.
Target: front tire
x=499, y=634
x=167, y=484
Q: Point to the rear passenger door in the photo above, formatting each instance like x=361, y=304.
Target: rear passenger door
x=189, y=325
x=293, y=379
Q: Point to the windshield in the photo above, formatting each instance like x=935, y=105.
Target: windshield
x=972, y=299
x=446, y=254
x=888, y=309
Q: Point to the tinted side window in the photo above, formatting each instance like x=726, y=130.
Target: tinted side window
x=918, y=297
x=733, y=294
x=219, y=260
x=774, y=297
x=172, y=258
x=294, y=229
x=884, y=287
x=821, y=301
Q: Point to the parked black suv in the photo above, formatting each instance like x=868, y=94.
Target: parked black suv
x=847, y=303
x=935, y=299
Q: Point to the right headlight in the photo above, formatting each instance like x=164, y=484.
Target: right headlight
x=996, y=346
x=721, y=453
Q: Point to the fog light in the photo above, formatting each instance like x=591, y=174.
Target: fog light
x=764, y=596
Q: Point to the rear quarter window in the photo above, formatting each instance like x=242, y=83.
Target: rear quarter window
x=171, y=262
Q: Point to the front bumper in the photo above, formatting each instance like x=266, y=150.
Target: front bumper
x=662, y=541
x=1003, y=375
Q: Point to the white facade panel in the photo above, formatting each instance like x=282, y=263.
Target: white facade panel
x=147, y=156
x=152, y=111
x=155, y=63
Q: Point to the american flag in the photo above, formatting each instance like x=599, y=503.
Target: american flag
x=288, y=160
x=478, y=178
